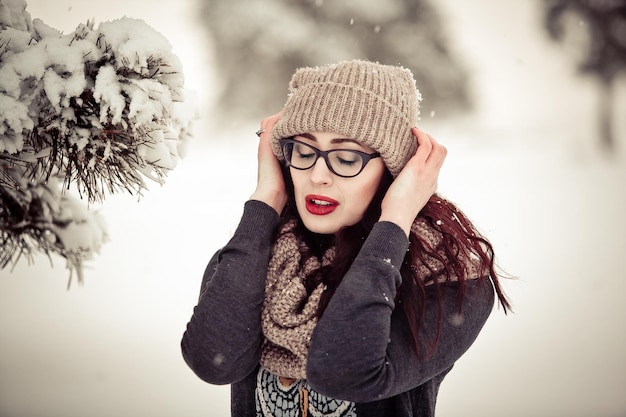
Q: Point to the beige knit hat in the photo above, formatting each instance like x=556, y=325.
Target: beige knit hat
x=373, y=103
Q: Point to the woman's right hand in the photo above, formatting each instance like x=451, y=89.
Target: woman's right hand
x=270, y=187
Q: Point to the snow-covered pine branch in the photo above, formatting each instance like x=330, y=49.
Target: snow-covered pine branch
x=98, y=110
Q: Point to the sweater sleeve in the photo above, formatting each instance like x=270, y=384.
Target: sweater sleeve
x=361, y=348
x=222, y=341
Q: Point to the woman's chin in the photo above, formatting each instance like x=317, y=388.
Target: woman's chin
x=322, y=225
x=315, y=227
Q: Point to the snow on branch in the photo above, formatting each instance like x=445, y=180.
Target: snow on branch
x=98, y=109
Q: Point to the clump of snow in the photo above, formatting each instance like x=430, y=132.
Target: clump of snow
x=108, y=92
x=13, y=14
x=145, y=51
x=83, y=230
x=44, y=31
x=15, y=121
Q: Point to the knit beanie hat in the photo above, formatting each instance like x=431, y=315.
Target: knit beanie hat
x=373, y=103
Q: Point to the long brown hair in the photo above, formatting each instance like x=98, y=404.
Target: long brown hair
x=460, y=239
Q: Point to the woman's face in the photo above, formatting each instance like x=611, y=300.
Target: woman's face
x=327, y=202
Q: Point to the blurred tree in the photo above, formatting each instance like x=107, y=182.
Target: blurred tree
x=98, y=110
x=259, y=44
x=595, y=30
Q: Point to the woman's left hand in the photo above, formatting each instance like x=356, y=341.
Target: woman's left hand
x=415, y=184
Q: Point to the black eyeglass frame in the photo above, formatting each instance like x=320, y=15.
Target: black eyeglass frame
x=366, y=157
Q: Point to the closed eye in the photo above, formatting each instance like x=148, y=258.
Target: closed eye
x=346, y=158
x=303, y=152
x=346, y=162
x=303, y=155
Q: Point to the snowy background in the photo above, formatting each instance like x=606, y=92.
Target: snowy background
x=524, y=166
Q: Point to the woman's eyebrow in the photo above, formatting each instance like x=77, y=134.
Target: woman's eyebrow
x=308, y=136
x=344, y=140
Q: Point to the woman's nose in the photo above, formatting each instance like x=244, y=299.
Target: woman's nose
x=320, y=174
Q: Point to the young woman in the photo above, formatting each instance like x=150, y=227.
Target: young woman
x=349, y=287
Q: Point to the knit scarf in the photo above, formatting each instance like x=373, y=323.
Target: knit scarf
x=289, y=314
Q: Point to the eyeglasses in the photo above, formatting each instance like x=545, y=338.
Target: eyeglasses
x=344, y=163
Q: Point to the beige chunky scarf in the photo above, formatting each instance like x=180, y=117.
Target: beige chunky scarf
x=289, y=314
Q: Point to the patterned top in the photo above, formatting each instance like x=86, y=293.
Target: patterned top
x=284, y=397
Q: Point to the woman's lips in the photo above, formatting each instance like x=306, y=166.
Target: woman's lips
x=320, y=205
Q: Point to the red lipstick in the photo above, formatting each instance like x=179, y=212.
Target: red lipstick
x=320, y=205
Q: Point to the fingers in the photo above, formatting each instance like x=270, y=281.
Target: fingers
x=438, y=153
x=268, y=124
x=424, y=144
x=429, y=151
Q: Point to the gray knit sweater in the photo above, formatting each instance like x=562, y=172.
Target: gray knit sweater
x=360, y=349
